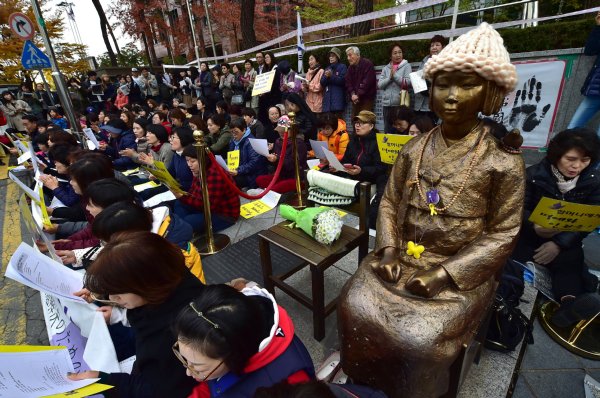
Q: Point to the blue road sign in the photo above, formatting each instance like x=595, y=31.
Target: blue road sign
x=33, y=57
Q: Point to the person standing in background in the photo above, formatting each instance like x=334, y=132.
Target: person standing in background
x=334, y=84
x=591, y=87
x=393, y=79
x=421, y=107
x=361, y=84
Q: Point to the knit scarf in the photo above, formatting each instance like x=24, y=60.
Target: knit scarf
x=563, y=184
x=156, y=147
x=236, y=144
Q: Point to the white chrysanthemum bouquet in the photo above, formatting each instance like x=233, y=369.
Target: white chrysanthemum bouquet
x=324, y=224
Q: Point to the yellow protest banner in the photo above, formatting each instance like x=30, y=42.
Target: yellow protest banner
x=263, y=83
x=565, y=216
x=253, y=209
x=390, y=145
x=45, y=218
x=159, y=170
x=233, y=159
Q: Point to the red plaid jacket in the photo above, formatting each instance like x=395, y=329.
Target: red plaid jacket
x=223, y=199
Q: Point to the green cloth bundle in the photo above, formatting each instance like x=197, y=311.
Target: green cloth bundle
x=324, y=224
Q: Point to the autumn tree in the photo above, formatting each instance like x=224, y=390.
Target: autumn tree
x=69, y=55
x=247, y=23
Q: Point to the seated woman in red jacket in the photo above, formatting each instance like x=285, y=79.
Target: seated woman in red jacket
x=224, y=201
x=236, y=342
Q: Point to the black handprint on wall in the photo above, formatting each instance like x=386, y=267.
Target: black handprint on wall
x=524, y=114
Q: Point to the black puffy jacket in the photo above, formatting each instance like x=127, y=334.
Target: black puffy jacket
x=541, y=182
x=363, y=152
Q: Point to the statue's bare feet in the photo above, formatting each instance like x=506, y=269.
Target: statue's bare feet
x=428, y=283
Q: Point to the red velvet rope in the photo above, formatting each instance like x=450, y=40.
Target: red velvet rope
x=269, y=187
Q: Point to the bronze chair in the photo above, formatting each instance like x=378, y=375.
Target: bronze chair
x=318, y=256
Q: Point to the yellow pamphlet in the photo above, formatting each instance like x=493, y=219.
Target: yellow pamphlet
x=233, y=159
x=390, y=145
x=565, y=216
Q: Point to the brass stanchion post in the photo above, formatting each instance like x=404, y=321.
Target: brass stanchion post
x=213, y=243
x=298, y=201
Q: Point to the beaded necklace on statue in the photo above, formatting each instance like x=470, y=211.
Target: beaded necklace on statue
x=432, y=197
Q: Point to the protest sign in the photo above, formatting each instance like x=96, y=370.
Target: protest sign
x=82, y=329
x=263, y=83
x=565, y=216
x=233, y=159
x=390, y=145
x=263, y=205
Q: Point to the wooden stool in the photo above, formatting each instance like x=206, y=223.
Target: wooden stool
x=316, y=255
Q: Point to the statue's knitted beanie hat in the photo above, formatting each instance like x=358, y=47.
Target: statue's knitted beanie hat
x=480, y=50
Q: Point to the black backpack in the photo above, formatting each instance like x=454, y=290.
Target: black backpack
x=508, y=325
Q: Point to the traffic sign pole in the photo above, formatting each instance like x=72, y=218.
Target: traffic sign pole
x=61, y=86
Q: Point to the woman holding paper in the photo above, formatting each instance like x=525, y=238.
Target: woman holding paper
x=567, y=173
x=362, y=161
x=251, y=164
x=145, y=274
x=287, y=176
x=393, y=79
x=159, y=148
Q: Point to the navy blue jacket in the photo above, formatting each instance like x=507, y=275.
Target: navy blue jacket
x=125, y=140
x=252, y=164
x=591, y=86
x=181, y=171
x=66, y=194
x=334, y=99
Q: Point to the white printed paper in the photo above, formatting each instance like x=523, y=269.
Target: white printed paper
x=20, y=146
x=166, y=196
x=126, y=365
x=56, y=203
x=416, y=80
x=312, y=163
x=28, y=191
x=333, y=161
x=82, y=329
x=144, y=186
x=222, y=162
x=34, y=161
x=317, y=147
x=24, y=157
x=260, y=146
x=158, y=216
x=41, y=273
x=90, y=136
x=37, y=373
x=271, y=199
